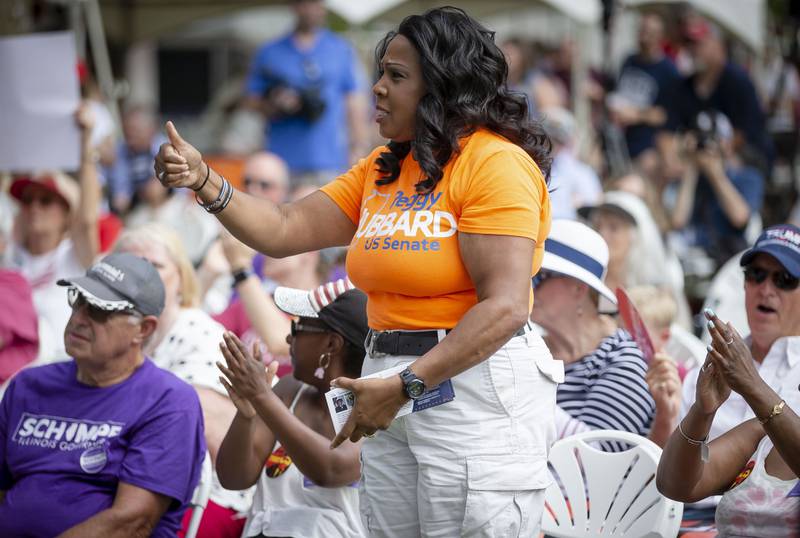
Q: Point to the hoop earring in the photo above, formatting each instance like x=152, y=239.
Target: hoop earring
x=324, y=362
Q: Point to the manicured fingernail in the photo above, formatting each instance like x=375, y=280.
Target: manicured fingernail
x=709, y=348
x=709, y=313
x=710, y=324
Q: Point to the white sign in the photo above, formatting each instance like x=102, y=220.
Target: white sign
x=38, y=99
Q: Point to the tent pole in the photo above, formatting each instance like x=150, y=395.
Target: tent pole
x=102, y=62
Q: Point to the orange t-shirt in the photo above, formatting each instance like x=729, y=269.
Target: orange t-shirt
x=405, y=254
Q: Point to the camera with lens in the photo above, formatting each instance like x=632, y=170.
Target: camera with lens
x=312, y=105
x=705, y=129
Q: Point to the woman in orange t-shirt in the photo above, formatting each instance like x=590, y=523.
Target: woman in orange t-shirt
x=445, y=226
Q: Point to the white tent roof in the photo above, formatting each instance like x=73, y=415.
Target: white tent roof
x=360, y=11
x=746, y=19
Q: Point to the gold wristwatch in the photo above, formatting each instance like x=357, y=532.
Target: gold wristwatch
x=776, y=410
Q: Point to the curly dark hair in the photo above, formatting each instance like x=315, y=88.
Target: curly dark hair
x=464, y=72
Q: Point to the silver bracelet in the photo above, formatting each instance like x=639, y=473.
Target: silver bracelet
x=704, y=453
x=221, y=202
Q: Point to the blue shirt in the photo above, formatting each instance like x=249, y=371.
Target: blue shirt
x=644, y=85
x=328, y=68
x=131, y=170
x=710, y=227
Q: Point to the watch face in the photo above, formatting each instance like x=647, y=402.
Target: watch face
x=415, y=388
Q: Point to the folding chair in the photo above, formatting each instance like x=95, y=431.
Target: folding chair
x=598, y=493
x=200, y=497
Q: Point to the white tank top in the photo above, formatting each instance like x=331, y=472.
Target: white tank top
x=286, y=503
x=758, y=506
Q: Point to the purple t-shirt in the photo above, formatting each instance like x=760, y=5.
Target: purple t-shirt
x=64, y=446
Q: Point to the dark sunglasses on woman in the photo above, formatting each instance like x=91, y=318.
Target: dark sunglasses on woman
x=781, y=279
x=298, y=327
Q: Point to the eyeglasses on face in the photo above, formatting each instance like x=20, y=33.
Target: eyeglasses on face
x=544, y=275
x=249, y=183
x=76, y=300
x=780, y=279
x=298, y=327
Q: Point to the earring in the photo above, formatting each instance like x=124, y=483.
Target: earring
x=324, y=362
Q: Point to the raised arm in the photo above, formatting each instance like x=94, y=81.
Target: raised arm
x=308, y=449
x=311, y=223
x=135, y=513
x=85, y=217
x=732, y=357
x=248, y=442
x=269, y=322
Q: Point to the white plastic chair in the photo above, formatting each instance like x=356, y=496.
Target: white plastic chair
x=598, y=494
x=200, y=497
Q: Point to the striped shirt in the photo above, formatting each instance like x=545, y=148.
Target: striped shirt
x=606, y=390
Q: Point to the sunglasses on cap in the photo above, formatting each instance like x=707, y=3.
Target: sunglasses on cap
x=76, y=300
x=780, y=279
x=260, y=183
x=544, y=275
x=298, y=327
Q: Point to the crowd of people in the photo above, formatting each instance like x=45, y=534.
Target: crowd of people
x=157, y=314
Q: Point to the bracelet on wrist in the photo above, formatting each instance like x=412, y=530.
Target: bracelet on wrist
x=240, y=275
x=203, y=184
x=704, y=453
x=222, y=200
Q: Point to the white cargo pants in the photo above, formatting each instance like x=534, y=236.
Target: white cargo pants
x=475, y=466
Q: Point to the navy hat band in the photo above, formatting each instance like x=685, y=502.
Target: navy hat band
x=575, y=256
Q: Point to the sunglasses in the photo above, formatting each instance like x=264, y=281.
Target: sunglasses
x=76, y=301
x=544, y=275
x=780, y=279
x=300, y=328
x=261, y=184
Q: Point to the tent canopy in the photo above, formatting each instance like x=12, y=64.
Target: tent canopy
x=360, y=11
x=133, y=20
x=745, y=19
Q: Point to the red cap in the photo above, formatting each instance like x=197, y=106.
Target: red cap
x=697, y=29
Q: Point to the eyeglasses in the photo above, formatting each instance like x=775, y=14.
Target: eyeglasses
x=261, y=184
x=544, y=275
x=44, y=199
x=300, y=328
x=76, y=300
x=781, y=279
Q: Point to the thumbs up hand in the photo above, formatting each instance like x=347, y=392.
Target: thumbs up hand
x=178, y=163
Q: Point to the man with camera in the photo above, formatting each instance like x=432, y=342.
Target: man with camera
x=716, y=83
x=718, y=193
x=308, y=85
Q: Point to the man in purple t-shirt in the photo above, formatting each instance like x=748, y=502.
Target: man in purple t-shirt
x=107, y=444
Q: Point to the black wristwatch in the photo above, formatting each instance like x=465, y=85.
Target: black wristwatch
x=413, y=386
x=239, y=276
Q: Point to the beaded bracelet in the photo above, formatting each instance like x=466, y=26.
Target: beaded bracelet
x=208, y=173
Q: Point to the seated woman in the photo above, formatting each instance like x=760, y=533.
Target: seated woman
x=305, y=489
x=755, y=466
x=605, y=385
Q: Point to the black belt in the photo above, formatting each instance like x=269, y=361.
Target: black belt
x=415, y=343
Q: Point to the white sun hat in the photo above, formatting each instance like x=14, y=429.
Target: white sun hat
x=307, y=304
x=575, y=250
